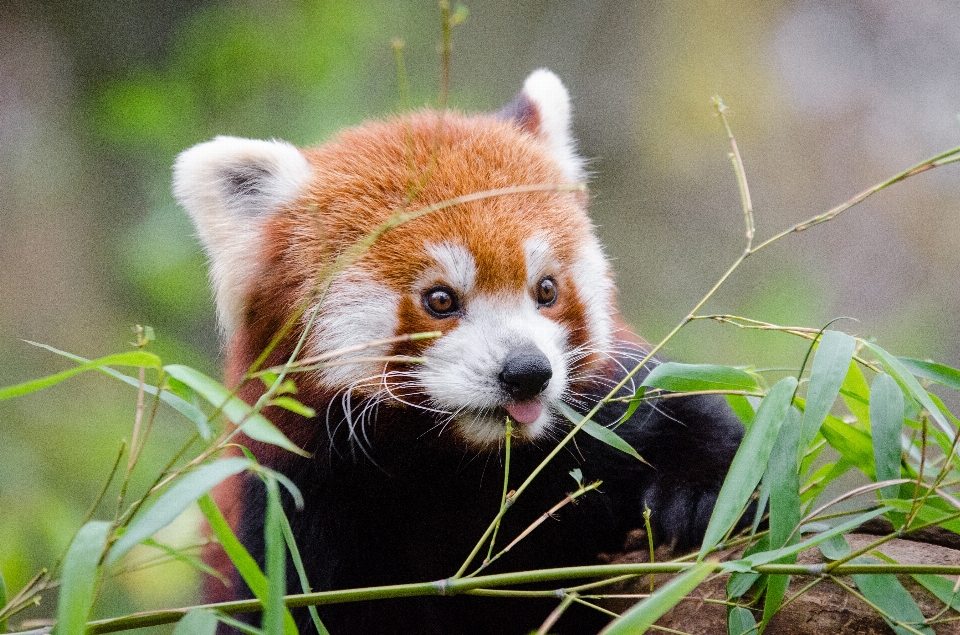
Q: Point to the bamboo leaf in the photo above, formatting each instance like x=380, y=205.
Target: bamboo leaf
x=749, y=462
x=253, y=424
x=740, y=622
x=842, y=528
x=886, y=417
x=677, y=377
x=784, y=505
x=139, y=359
x=78, y=582
x=642, y=615
x=830, y=366
x=854, y=445
x=888, y=594
x=910, y=385
x=856, y=394
x=634, y=403
x=939, y=373
x=274, y=609
x=939, y=587
x=179, y=404
x=835, y=547
x=301, y=573
x=238, y=554
x=824, y=475
x=197, y=622
x=291, y=404
x=742, y=408
x=599, y=432
x=184, y=491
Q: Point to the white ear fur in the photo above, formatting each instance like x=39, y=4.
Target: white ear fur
x=227, y=186
x=549, y=96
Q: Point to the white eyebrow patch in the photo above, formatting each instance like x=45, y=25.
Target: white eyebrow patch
x=539, y=258
x=455, y=265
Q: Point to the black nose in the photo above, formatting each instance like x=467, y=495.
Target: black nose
x=526, y=372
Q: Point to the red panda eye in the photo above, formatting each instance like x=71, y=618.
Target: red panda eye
x=441, y=302
x=546, y=291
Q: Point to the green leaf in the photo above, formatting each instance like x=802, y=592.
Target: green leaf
x=784, y=482
x=677, y=377
x=886, y=417
x=238, y=554
x=749, y=463
x=910, y=385
x=784, y=506
x=934, y=372
x=291, y=404
x=237, y=625
x=934, y=511
x=824, y=475
x=253, y=424
x=943, y=440
x=197, y=622
x=634, y=403
x=179, y=404
x=275, y=557
x=140, y=359
x=599, y=432
x=184, y=491
x=940, y=587
x=741, y=582
x=301, y=573
x=776, y=554
x=742, y=408
x=740, y=622
x=835, y=547
x=642, y=615
x=830, y=366
x=856, y=394
x=854, y=445
x=78, y=581
x=888, y=594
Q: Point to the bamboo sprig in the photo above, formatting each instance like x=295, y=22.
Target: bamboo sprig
x=749, y=250
x=505, y=497
x=452, y=586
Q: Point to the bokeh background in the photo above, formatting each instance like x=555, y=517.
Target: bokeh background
x=98, y=96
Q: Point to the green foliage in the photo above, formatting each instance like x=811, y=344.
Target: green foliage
x=643, y=614
x=78, y=582
x=805, y=433
x=749, y=463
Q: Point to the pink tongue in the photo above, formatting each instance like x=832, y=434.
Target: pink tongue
x=524, y=412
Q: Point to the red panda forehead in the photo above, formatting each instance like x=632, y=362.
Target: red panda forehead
x=367, y=174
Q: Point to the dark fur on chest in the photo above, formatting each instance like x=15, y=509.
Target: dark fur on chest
x=412, y=510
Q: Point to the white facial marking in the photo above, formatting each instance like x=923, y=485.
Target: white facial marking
x=356, y=310
x=455, y=266
x=550, y=97
x=539, y=259
x=591, y=271
x=461, y=370
x=227, y=186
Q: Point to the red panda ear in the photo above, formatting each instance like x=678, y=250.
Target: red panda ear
x=543, y=108
x=228, y=186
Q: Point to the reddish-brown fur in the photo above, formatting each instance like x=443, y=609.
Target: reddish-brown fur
x=362, y=177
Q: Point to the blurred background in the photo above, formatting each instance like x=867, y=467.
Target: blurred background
x=98, y=96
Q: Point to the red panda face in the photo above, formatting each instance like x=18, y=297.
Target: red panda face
x=516, y=282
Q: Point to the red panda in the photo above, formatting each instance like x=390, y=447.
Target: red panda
x=405, y=471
